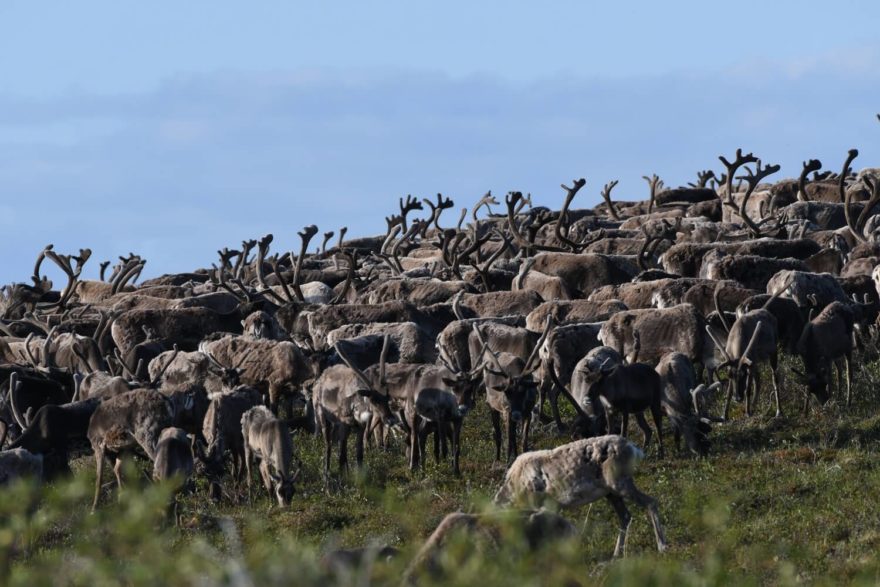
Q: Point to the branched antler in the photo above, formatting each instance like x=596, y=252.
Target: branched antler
x=811, y=165
x=242, y=262
x=753, y=179
x=703, y=178
x=512, y=200
x=407, y=207
x=655, y=184
x=606, y=195
x=846, y=198
x=487, y=200
x=351, y=257
x=731, y=170
x=262, y=250
x=64, y=263
x=562, y=219
x=437, y=209
x=663, y=231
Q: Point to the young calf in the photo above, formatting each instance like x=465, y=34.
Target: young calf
x=174, y=460
x=579, y=473
x=268, y=439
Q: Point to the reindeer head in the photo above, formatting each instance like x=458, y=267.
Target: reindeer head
x=514, y=379
x=374, y=390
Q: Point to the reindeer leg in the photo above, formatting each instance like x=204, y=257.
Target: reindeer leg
x=623, y=518
x=267, y=478
x=247, y=464
x=511, y=437
x=526, y=426
x=343, y=449
x=756, y=382
x=117, y=470
x=359, y=442
x=496, y=434
x=774, y=367
x=327, y=433
x=643, y=424
x=456, y=446
x=626, y=488
x=729, y=398
x=848, y=363
x=99, y=472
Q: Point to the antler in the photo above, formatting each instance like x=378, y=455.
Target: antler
x=487, y=201
x=437, y=209
x=261, y=274
x=305, y=235
x=703, y=178
x=731, y=170
x=869, y=205
x=606, y=195
x=63, y=262
x=405, y=208
x=512, y=199
x=351, y=257
x=846, y=198
x=667, y=231
x=753, y=179
x=655, y=183
x=327, y=237
x=811, y=165
x=562, y=220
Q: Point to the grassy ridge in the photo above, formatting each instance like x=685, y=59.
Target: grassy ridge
x=780, y=501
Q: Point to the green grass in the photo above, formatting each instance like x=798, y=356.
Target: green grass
x=778, y=501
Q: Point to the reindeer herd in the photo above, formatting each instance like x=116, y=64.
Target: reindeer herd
x=666, y=309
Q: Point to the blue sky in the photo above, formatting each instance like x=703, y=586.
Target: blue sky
x=173, y=130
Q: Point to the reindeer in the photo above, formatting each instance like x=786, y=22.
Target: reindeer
x=626, y=388
x=423, y=395
x=133, y=420
x=174, y=462
x=268, y=439
x=579, y=473
x=511, y=391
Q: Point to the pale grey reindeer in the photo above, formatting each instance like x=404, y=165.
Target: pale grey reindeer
x=579, y=473
x=267, y=439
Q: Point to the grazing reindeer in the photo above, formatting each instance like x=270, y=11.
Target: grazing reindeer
x=683, y=402
x=221, y=429
x=344, y=398
x=424, y=395
x=825, y=339
x=174, y=461
x=629, y=389
x=579, y=473
x=511, y=392
x=268, y=439
x=133, y=420
x=752, y=340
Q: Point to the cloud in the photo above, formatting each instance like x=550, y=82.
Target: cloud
x=205, y=161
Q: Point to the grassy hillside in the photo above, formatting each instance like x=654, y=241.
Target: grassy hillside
x=779, y=500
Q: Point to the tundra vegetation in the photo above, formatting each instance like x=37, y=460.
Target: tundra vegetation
x=485, y=368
